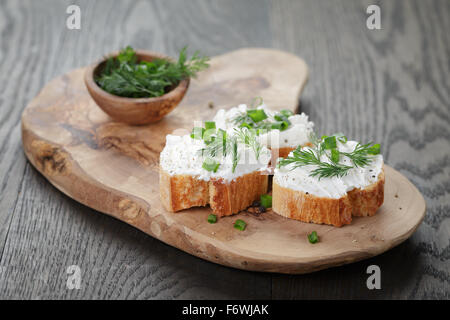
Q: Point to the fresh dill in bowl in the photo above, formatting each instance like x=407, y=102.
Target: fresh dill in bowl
x=126, y=76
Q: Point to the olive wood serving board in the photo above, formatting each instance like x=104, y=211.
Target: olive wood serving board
x=113, y=168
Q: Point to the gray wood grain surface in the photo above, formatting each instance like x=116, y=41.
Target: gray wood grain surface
x=389, y=85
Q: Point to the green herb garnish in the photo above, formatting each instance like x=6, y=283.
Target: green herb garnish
x=286, y=113
x=222, y=145
x=257, y=115
x=374, y=150
x=341, y=137
x=361, y=156
x=212, y=218
x=329, y=142
x=210, y=125
x=335, y=155
x=266, y=201
x=240, y=225
x=234, y=153
x=125, y=76
x=313, y=237
x=281, y=125
x=210, y=165
x=248, y=137
x=259, y=120
x=197, y=133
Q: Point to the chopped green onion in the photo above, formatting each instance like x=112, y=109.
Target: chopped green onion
x=212, y=218
x=266, y=201
x=210, y=165
x=257, y=115
x=281, y=125
x=246, y=125
x=210, y=125
x=286, y=113
x=222, y=133
x=335, y=155
x=282, y=118
x=261, y=131
x=341, y=137
x=222, y=136
x=276, y=125
x=284, y=125
x=279, y=117
x=197, y=133
x=330, y=142
x=240, y=225
x=313, y=237
x=208, y=135
x=375, y=149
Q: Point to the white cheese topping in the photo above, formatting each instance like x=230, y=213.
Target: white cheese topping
x=181, y=156
x=297, y=133
x=335, y=187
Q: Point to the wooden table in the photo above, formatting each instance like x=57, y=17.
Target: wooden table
x=390, y=86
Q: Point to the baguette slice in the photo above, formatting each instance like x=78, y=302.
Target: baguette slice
x=298, y=205
x=366, y=201
x=180, y=192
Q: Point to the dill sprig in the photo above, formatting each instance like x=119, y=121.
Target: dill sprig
x=125, y=76
x=249, y=138
x=223, y=145
x=310, y=156
x=234, y=153
x=361, y=156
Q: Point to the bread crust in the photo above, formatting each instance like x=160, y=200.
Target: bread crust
x=281, y=152
x=366, y=201
x=230, y=198
x=180, y=192
x=298, y=205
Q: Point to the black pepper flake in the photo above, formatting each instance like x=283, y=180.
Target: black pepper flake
x=256, y=210
x=256, y=203
x=373, y=176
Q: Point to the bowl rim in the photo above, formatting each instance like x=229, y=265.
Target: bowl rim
x=91, y=84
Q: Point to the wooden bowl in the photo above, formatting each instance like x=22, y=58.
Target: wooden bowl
x=135, y=111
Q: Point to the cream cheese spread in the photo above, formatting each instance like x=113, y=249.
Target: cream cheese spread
x=297, y=134
x=182, y=155
x=336, y=187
